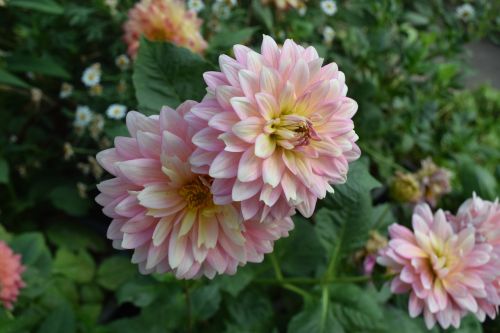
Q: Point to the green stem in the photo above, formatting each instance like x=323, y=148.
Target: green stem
x=325, y=302
x=281, y=280
x=311, y=281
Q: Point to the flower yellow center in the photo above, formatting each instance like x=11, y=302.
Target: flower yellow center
x=197, y=193
x=291, y=130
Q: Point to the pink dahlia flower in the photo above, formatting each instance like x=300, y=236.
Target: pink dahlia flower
x=165, y=212
x=447, y=273
x=484, y=217
x=163, y=20
x=10, y=275
x=277, y=129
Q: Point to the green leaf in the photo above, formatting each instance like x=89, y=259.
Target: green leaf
x=468, y=324
x=234, y=284
x=28, y=63
x=4, y=171
x=310, y=319
x=79, y=267
x=12, y=80
x=165, y=74
x=311, y=254
x=60, y=320
x=75, y=236
x=67, y=199
x=205, y=302
x=344, y=226
x=355, y=309
x=263, y=13
x=398, y=320
x=250, y=312
x=140, y=291
x=37, y=259
x=45, y=6
x=115, y=271
x=226, y=39
x=475, y=178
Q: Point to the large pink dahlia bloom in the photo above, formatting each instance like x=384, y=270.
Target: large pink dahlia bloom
x=163, y=20
x=10, y=275
x=165, y=212
x=447, y=273
x=277, y=129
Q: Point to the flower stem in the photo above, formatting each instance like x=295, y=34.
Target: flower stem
x=282, y=281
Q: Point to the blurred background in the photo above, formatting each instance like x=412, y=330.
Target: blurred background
x=424, y=73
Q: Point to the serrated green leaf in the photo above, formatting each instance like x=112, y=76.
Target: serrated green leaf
x=205, y=302
x=309, y=320
x=115, y=271
x=60, y=320
x=165, y=74
x=344, y=226
x=234, y=284
x=79, y=266
x=399, y=321
x=251, y=311
x=356, y=310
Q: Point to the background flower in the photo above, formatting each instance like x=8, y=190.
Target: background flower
x=163, y=20
x=10, y=275
x=446, y=272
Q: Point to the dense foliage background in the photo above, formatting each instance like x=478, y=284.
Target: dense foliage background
x=405, y=65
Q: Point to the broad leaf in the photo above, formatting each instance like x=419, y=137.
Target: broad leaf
x=312, y=319
x=115, y=271
x=205, y=302
x=165, y=74
x=356, y=310
x=28, y=63
x=11, y=80
x=67, y=199
x=60, y=320
x=343, y=226
x=79, y=267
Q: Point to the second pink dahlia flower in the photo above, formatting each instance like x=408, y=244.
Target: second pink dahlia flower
x=447, y=273
x=10, y=275
x=277, y=129
x=165, y=212
x=163, y=20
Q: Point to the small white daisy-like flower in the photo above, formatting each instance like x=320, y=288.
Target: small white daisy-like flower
x=92, y=75
x=328, y=34
x=329, y=7
x=221, y=9
x=195, y=5
x=66, y=90
x=83, y=116
x=465, y=12
x=122, y=62
x=302, y=10
x=116, y=111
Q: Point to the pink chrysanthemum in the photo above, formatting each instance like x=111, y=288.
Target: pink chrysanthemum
x=446, y=272
x=165, y=212
x=10, y=275
x=163, y=20
x=278, y=129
